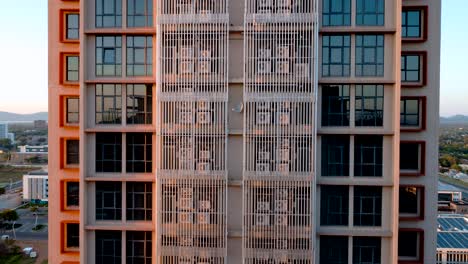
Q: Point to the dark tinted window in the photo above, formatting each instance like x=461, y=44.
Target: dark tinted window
x=411, y=24
x=408, y=201
x=108, y=56
x=366, y=250
x=108, y=247
x=336, y=56
x=408, y=244
x=73, y=193
x=108, y=201
x=73, y=26
x=139, y=104
x=139, y=247
x=370, y=12
x=335, y=105
x=410, y=68
x=367, y=206
x=369, y=55
x=410, y=156
x=335, y=155
x=108, y=152
x=108, y=103
x=368, y=155
x=409, y=112
x=139, y=201
x=336, y=12
x=369, y=105
x=73, y=152
x=139, y=56
x=139, y=13
x=73, y=235
x=334, y=205
x=108, y=13
x=139, y=152
x=334, y=249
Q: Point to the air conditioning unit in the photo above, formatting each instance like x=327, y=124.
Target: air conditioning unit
x=282, y=67
x=264, y=155
x=186, y=218
x=301, y=69
x=283, y=118
x=263, y=118
x=263, y=206
x=264, y=67
x=203, y=105
x=186, y=67
x=264, y=53
x=185, y=153
x=186, y=52
x=185, y=241
x=204, y=117
x=282, y=154
x=203, y=218
x=282, y=52
x=283, y=167
x=281, y=194
x=185, y=203
x=204, y=66
x=185, y=192
x=204, y=154
x=281, y=220
x=205, y=53
x=185, y=117
x=205, y=205
x=203, y=166
x=262, y=220
x=282, y=244
x=263, y=105
x=262, y=167
x=281, y=205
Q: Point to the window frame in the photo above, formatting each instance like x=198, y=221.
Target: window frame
x=108, y=236
x=422, y=69
x=345, y=153
x=131, y=50
x=346, y=46
x=328, y=100
x=130, y=242
x=148, y=13
x=100, y=61
x=358, y=209
x=422, y=114
x=65, y=233
x=66, y=206
x=344, y=249
x=421, y=201
x=67, y=112
x=117, y=146
x=359, y=166
x=68, y=28
x=63, y=23
x=66, y=155
x=360, y=61
x=423, y=23
x=375, y=12
x=100, y=196
x=148, y=196
x=117, y=17
x=379, y=96
x=64, y=69
x=420, y=246
x=117, y=101
x=422, y=159
x=368, y=243
x=344, y=190
x=132, y=148
x=346, y=20
x=147, y=113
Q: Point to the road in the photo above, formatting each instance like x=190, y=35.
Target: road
x=27, y=219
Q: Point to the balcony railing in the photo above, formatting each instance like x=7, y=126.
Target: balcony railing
x=459, y=256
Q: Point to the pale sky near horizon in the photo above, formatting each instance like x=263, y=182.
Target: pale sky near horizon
x=23, y=57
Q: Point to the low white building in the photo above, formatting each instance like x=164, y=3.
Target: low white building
x=33, y=149
x=36, y=186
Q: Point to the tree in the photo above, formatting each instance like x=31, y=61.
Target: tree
x=9, y=215
x=6, y=143
x=2, y=190
x=447, y=160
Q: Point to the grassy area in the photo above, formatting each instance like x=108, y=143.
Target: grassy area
x=38, y=227
x=14, y=173
x=16, y=259
x=453, y=181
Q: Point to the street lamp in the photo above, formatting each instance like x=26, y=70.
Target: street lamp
x=14, y=233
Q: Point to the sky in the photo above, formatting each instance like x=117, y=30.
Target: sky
x=23, y=57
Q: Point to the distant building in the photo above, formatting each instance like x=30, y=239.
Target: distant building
x=11, y=136
x=452, y=239
x=36, y=186
x=450, y=199
x=3, y=130
x=33, y=149
x=40, y=124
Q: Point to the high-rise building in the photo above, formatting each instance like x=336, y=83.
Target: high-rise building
x=243, y=131
x=3, y=130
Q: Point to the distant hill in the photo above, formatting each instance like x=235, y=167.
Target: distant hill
x=12, y=117
x=456, y=119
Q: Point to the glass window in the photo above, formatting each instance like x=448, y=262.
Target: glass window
x=73, y=194
x=366, y=250
x=335, y=105
x=108, y=247
x=369, y=55
x=410, y=68
x=409, y=112
x=139, y=152
x=334, y=205
x=73, y=152
x=411, y=24
x=408, y=245
x=335, y=155
x=367, y=206
x=139, y=13
x=108, y=152
x=370, y=12
x=334, y=249
x=73, y=110
x=139, y=104
x=108, y=200
x=139, y=201
x=73, y=68
x=369, y=105
x=368, y=155
x=139, y=56
x=73, y=235
x=410, y=157
x=73, y=25
x=336, y=57
x=108, y=103
x=108, y=56
x=336, y=13
x=108, y=13
x=409, y=201
x=139, y=247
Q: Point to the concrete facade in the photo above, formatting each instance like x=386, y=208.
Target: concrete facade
x=209, y=132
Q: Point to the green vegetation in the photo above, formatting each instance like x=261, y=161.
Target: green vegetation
x=10, y=253
x=6, y=144
x=14, y=173
x=38, y=227
x=453, y=146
